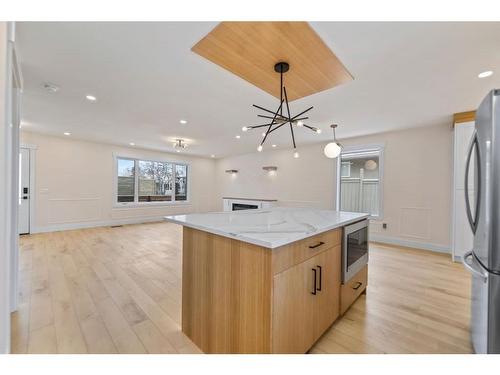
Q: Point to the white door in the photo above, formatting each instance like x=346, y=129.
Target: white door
x=24, y=191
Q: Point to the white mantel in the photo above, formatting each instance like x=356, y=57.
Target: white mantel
x=260, y=203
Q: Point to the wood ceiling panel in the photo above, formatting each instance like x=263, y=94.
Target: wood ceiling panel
x=251, y=49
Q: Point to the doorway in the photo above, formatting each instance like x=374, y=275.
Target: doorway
x=24, y=191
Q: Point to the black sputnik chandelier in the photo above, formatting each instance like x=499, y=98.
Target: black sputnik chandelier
x=281, y=117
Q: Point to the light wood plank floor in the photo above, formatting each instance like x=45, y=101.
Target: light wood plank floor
x=118, y=290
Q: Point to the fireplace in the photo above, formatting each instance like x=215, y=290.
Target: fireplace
x=237, y=204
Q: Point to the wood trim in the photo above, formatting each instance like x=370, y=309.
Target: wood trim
x=464, y=117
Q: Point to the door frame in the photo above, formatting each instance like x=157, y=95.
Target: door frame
x=11, y=83
x=15, y=92
x=32, y=150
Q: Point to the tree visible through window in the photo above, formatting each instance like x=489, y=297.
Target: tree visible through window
x=153, y=180
x=180, y=182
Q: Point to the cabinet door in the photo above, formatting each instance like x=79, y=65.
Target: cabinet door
x=293, y=308
x=327, y=301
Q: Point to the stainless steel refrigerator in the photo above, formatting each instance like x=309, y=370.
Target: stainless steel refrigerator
x=482, y=196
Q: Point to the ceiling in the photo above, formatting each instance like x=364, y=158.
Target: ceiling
x=146, y=79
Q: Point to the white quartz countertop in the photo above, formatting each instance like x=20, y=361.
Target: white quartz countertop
x=269, y=228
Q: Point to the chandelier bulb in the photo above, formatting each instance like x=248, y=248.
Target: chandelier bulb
x=296, y=155
x=259, y=148
x=245, y=128
x=300, y=123
x=318, y=131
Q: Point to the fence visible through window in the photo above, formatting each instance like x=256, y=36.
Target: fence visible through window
x=360, y=182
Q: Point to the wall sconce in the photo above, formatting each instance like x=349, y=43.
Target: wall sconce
x=232, y=171
x=270, y=168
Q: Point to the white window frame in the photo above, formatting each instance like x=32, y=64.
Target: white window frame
x=361, y=149
x=136, y=202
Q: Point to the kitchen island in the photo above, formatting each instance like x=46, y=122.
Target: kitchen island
x=262, y=281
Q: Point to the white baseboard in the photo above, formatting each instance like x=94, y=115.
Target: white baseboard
x=95, y=224
x=409, y=243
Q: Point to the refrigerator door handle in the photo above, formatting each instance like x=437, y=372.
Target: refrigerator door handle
x=472, y=221
x=469, y=266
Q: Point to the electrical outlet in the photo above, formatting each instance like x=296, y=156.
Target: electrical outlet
x=384, y=225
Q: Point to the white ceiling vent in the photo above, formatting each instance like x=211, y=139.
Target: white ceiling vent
x=50, y=87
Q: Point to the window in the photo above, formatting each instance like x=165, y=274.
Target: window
x=147, y=181
x=345, y=169
x=155, y=181
x=180, y=182
x=126, y=180
x=359, y=186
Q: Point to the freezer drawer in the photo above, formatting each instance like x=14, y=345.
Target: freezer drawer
x=485, y=307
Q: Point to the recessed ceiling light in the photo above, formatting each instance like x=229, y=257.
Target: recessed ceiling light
x=238, y=136
x=183, y=122
x=485, y=74
x=212, y=156
x=91, y=98
x=132, y=144
x=273, y=146
x=67, y=133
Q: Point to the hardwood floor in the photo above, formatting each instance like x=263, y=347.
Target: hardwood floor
x=118, y=290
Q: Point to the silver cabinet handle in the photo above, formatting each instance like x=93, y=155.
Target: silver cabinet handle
x=471, y=269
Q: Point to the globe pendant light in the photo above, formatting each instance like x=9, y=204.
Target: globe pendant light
x=333, y=149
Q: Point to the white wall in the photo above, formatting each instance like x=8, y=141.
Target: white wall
x=417, y=183
x=74, y=184
x=307, y=180
x=4, y=196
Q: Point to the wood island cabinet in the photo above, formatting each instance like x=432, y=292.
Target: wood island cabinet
x=305, y=302
x=242, y=298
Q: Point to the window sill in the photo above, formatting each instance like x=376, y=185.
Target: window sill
x=151, y=204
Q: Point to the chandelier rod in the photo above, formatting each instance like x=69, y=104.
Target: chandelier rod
x=277, y=127
x=301, y=113
x=262, y=108
x=289, y=119
x=283, y=117
x=281, y=92
x=271, y=124
x=261, y=126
